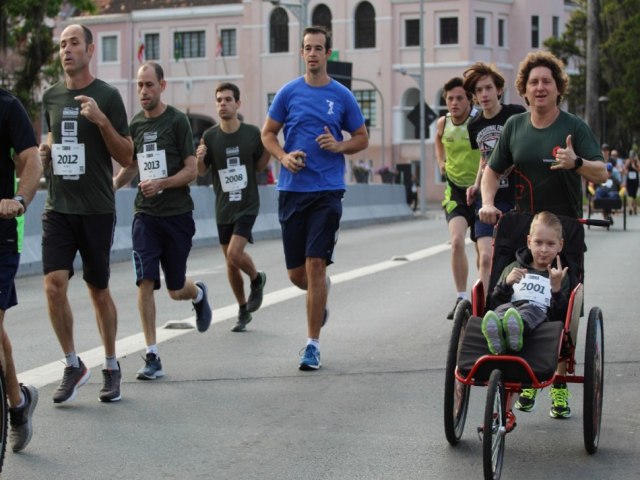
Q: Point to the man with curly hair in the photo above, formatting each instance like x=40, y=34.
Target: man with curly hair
x=550, y=150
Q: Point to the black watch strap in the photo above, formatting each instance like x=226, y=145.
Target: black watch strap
x=578, y=163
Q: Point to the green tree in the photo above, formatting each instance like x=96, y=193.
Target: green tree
x=27, y=48
x=619, y=65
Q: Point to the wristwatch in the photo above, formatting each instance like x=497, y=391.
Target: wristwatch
x=20, y=198
x=578, y=163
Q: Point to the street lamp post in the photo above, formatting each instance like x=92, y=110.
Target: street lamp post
x=300, y=11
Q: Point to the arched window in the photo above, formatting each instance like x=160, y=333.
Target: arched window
x=279, y=31
x=365, y=26
x=322, y=16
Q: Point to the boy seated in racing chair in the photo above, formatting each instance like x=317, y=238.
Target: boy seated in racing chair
x=531, y=291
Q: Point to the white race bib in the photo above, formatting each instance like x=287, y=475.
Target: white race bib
x=68, y=159
x=632, y=175
x=152, y=165
x=233, y=178
x=534, y=288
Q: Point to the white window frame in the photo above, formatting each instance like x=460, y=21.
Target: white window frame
x=101, y=37
x=487, y=30
x=144, y=37
x=441, y=16
x=505, y=33
x=404, y=32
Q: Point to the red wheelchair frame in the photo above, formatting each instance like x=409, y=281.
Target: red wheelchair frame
x=506, y=375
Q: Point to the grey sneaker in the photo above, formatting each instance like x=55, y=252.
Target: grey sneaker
x=152, y=368
x=244, y=317
x=72, y=379
x=203, y=310
x=110, y=391
x=255, y=297
x=20, y=419
x=325, y=317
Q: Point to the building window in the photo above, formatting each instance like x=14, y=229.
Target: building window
x=448, y=31
x=279, y=31
x=270, y=97
x=501, y=32
x=555, y=27
x=109, y=48
x=189, y=45
x=367, y=101
x=365, y=26
x=412, y=32
x=152, y=46
x=227, y=46
x=535, y=31
x=322, y=16
x=481, y=33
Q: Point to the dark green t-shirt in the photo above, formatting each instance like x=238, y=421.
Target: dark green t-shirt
x=531, y=151
x=92, y=191
x=169, y=133
x=225, y=151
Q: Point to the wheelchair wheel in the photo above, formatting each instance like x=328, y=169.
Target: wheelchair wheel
x=456, y=393
x=4, y=417
x=494, y=428
x=593, y=380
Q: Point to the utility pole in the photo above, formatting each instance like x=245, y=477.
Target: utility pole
x=592, y=110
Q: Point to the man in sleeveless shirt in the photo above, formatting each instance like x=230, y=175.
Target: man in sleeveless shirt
x=458, y=162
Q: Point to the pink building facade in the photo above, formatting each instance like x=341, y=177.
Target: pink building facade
x=256, y=44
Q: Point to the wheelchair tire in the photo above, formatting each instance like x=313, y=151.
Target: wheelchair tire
x=593, y=380
x=494, y=428
x=4, y=417
x=456, y=393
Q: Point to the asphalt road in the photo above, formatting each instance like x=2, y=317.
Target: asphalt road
x=235, y=406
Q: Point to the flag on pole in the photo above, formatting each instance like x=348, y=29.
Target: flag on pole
x=140, y=48
x=219, y=47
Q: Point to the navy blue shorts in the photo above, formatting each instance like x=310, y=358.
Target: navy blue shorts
x=310, y=222
x=162, y=242
x=242, y=228
x=9, y=262
x=64, y=234
x=486, y=229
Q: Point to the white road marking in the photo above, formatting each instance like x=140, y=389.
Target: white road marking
x=50, y=373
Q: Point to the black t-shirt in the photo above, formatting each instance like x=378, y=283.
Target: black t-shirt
x=484, y=134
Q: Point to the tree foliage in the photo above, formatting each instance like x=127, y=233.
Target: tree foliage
x=619, y=65
x=26, y=45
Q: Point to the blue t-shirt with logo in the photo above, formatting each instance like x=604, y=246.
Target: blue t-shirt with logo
x=305, y=110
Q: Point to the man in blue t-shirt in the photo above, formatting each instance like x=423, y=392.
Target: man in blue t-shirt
x=314, y=110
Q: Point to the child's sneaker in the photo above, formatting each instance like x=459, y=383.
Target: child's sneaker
x=560, y=401
x=513, y=329
x=527, y=400
x=491, y=327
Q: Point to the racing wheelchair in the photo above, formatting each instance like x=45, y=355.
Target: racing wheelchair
x=469, y=362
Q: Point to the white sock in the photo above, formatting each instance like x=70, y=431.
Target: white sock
x=153, y=349
x=199, y=296
x=314, y=341
x=22, y=401
x=72, y=359
x=463, y=295
x=110, y=363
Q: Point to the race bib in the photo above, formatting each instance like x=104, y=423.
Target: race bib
x=68, y=159
x=152, y=165
x=632, y=175
x=533, y=288
x=233, y=178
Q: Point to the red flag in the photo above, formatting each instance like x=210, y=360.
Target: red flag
x=140, y=49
